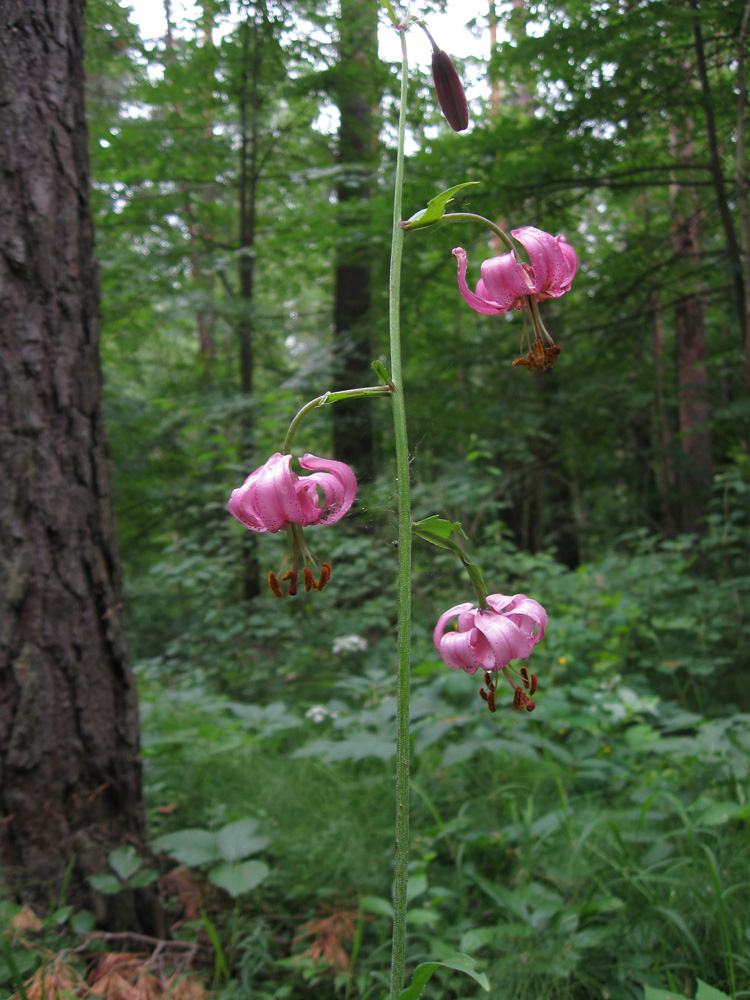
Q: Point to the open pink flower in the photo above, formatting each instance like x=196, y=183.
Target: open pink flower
x=489, y=638
x=508, y=283
x=273, y=497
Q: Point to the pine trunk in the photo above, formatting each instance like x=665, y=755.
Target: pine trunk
x=70, y=775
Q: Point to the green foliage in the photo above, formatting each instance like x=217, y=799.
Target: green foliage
x=232, y=845
x=128, y=870
x=599, y=846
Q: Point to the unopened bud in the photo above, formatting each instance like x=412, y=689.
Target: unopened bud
x=450, y=91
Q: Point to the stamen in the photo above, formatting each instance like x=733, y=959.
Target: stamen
x=525, y=676
x=273, y=583
x=517, y=698
x=533, y=684
x=310, y=583
x=483, y=694
x=325, y=575
x=491, y=700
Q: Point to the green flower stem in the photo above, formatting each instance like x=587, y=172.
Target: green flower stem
x=331, y=397
x=470, y=217
x=398, y=954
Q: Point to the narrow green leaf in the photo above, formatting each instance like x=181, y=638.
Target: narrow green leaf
x=221, y=968
x=422, y=974
x=435, y=208
x=382, y=372
x=386, y=5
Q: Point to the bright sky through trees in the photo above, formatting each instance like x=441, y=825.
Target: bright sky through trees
x=449, y=29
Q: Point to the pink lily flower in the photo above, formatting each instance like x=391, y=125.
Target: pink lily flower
x=508, y=284
x=273, y=497
x=489, y=638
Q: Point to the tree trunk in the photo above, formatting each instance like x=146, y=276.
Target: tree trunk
x=357, y=96
x=70, y=774
x=249, y=102
x=694, y=413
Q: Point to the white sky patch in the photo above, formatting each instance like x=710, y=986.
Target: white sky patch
x=448, y=29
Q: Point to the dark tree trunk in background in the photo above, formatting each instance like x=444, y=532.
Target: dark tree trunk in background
x=357, y=96
x=70, y=775
x=696, y=469
x=250, y=106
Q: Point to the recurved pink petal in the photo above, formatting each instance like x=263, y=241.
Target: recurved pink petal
x=553, y=261
x=446, y=616
x=458, y=651
x=339, y=485
x=475, y=299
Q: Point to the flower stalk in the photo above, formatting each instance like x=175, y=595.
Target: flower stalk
x=331, y=397
x=398, y=952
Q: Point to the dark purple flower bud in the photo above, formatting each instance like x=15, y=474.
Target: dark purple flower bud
x=450, y=91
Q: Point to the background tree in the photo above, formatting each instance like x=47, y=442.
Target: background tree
x=69, y=747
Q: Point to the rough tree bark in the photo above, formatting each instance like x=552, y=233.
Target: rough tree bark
x=70, y=773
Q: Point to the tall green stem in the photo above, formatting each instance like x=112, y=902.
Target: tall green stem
x=404, y=560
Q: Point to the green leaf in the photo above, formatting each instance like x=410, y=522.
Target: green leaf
x=142, y=878
x=382, y=372
x=706, y=992
x=435, y=208
x=422, y=974
x=386, y=5
x=651, y=993
x=437, y=530
x=376, y=904
x=190, y=847
x=240, y=877
x=719, y=813
x=108, y=885
x=124, y=862
x=239, y=840
x=15, y=972
x=83, y=922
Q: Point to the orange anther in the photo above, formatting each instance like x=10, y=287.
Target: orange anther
x=273, y=583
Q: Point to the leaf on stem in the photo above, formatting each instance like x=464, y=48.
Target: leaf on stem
x=386, y=5
x=435, y=208
x=437, y=531
x=422, y=973
x=383, y=374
